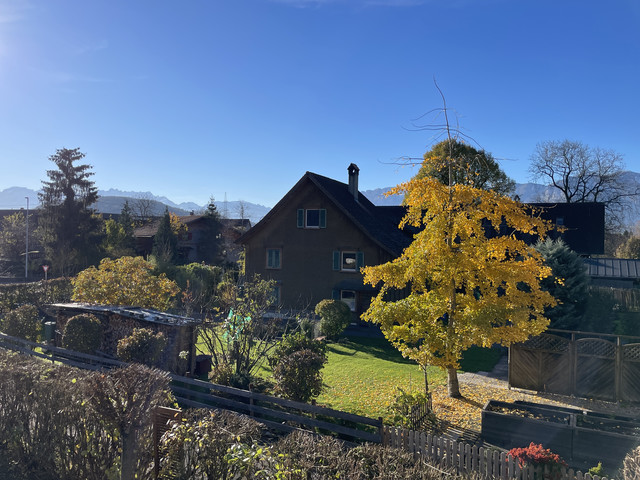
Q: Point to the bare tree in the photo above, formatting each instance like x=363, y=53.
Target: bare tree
x=142, y=207
x=585, y=174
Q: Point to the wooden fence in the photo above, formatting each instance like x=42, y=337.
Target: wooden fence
x=276, y=413
x=589, y=365
x=464, y=458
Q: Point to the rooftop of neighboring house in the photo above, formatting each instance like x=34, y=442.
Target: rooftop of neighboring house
x=150, y=228
x=380, y=223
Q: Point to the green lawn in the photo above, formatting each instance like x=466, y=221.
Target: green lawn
x=363, y=374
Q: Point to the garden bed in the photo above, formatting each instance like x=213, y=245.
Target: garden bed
x=578, y=436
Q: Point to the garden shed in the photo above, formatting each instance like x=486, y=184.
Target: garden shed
x=118, y=322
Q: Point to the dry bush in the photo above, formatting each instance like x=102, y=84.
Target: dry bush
x=196, y=447
x=631, y=465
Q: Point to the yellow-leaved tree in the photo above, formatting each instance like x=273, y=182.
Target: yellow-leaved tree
x=469, y=277
x=125, y=281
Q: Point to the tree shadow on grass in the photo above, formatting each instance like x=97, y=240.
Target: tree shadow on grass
x=375, y=347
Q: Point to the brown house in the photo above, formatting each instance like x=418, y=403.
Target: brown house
x=190, y=243
x=316, y=239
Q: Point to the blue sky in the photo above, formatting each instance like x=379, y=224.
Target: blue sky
x=194, y=98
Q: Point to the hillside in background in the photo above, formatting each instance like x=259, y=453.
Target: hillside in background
x=112, y=201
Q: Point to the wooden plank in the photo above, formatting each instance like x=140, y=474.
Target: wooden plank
x=307, y=407
x=263, y=413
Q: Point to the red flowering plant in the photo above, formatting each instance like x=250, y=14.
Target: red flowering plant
x=537, y=455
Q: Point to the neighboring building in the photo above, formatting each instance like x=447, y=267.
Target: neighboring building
x=316, y=239
x=583, y=225
x=190, y=242
x=613, y=272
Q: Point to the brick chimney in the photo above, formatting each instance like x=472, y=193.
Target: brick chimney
x=353, y=180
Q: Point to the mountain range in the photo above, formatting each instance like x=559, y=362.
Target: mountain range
x=112, y=201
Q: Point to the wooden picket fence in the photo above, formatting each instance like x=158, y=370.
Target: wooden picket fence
x=465, y=458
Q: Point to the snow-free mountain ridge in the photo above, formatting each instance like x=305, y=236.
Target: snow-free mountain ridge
x=112, y=200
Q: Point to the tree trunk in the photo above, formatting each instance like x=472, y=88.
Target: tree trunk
x=426, y=381
x=128, y=457
x=452, y=381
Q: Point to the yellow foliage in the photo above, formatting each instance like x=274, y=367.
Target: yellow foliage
x=472, y=279
x=125, y=281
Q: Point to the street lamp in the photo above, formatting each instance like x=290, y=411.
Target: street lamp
x=26, y=253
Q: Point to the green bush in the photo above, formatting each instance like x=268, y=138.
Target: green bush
x=37, y=293
x=142, y=346
x=335, y=315
x=296, y=363
x=82, y=333
x=22, y=322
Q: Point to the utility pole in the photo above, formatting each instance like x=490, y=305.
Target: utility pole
x=26, y=252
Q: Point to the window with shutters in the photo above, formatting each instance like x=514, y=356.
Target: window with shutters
x=348, y=261
x=312, y=218
x=274, y=258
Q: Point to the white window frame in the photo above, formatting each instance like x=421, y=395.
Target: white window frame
x=351, y=255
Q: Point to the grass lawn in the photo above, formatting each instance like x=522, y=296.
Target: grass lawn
x=363, y=375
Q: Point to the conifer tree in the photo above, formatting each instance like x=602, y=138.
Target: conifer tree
x=68, y=227
x=569, y=284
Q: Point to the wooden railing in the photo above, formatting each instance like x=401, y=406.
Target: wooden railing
x=465, y=458
x=276, y=413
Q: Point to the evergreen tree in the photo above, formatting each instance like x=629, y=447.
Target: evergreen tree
x=211, y=249
x=68, y=228
x=165, y=242
x=569, y=284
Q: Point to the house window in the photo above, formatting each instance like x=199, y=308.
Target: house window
x=276, y=294
x=274, y=258
x=559, y=220
x=349, y=297
x=312, y=218
x=348, y=261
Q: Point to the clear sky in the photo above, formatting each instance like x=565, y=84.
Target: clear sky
x=193, y=98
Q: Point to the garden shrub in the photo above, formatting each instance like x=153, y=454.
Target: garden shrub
x=22, y=322
x=315, y=457
x=57, y=290
x=82, y=333
x=197, y=446
x=335, y=317
x=296, y=363
x=142, y=346
x=537, y=455
x=402, y=406
x=46, y=430
x=631, y=465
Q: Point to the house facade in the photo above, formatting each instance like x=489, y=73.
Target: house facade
x=318, y=236
x=315, y=240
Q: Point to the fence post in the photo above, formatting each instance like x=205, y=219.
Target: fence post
x=618, y=370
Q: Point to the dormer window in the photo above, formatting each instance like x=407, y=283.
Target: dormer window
x=312, y=218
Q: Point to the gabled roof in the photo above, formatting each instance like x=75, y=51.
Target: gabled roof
x=380, y=224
